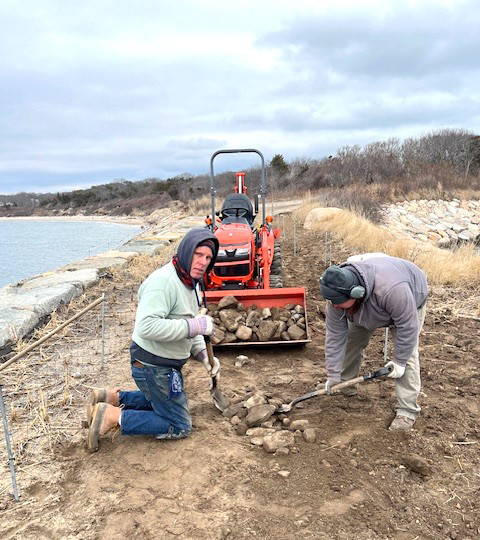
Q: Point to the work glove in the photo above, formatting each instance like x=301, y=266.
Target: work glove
x=327, y=385
x=397, y=371
x=214, y=371
x=200, y=325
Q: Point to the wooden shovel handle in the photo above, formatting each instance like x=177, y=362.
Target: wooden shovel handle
x=362, y=378
x=208, y=342
x=366, y=377
x=210, y=355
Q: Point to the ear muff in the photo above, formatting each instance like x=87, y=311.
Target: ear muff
x=357, y=292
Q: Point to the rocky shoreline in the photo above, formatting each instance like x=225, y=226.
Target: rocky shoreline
x=123, y=220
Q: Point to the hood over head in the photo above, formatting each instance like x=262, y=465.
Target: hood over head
x=190, y=242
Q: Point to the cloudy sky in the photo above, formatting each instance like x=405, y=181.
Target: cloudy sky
x=97, y=90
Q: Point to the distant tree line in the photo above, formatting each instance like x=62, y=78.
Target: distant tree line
x=447, y=157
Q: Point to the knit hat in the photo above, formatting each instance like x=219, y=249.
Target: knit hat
x=336, y=284
x=209, y=243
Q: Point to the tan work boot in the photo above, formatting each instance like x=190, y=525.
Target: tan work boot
x=349, y=391
x=401, y=423
x=102, y=395
x=104, y=418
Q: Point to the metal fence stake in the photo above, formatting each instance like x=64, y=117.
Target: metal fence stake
x=102, y=311
x=385, y=345
x=294, y=239
x=325, y=249
x=11, y=461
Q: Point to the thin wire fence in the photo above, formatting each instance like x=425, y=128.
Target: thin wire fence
x=38, y=392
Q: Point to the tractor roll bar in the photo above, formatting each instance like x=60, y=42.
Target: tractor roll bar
x=263, y=189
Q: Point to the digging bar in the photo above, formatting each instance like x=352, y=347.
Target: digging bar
x=287, y=407
x=218, y=398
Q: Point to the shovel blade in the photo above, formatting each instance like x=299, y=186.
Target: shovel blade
x=219, y=400
x=284, y=408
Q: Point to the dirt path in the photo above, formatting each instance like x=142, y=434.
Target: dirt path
x=356, y=481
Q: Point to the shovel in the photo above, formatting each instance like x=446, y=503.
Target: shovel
x=218, y=398
x=287, y=407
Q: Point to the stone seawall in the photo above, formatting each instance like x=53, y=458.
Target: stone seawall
x=443, y=223
x=24, y=305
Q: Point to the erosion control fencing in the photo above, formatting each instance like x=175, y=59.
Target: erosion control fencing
x=5, y=365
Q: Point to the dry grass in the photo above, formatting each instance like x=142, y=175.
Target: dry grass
x=460, y=267
x=309, y=202
x=141, y=266
x=203, y=205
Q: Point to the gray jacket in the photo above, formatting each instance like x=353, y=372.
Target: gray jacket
x=395, y=289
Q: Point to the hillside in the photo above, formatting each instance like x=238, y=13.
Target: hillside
x=442, y=164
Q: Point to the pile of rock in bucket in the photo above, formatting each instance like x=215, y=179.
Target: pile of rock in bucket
x=233, y=322
x=255, y=416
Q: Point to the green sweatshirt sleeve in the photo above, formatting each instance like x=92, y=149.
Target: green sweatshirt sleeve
x=151, y=322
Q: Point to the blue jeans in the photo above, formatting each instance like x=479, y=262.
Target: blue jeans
x=158, y=408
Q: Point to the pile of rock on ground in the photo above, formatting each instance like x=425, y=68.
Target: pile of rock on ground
x=233, y=322
x=254, y=415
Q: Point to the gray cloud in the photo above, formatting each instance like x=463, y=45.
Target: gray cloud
x=413, y=40
x=101, y=90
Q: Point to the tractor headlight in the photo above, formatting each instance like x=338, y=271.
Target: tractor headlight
x=243, y=251
x=225, y=254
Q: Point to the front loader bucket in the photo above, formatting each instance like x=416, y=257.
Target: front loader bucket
x=263, y=298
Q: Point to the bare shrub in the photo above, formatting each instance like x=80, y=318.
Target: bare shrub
x=441, y=163
x=355, y=198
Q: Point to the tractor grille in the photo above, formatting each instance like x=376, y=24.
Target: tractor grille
x=232, y=258
x=232, y=271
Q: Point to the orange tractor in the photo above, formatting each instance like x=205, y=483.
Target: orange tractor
x=249, y=261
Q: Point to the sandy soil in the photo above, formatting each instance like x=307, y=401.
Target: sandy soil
x=358, y=480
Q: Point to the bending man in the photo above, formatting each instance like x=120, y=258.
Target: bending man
x=366, y=293
x=168, y=330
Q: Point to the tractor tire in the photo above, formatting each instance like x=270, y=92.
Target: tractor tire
x=276, y=282
x=276, y=270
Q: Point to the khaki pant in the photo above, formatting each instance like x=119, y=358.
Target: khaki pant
x=407, y=387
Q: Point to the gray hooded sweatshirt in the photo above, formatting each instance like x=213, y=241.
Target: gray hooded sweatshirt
x=395, y=289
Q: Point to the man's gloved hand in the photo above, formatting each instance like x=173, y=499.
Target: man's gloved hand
x=397, y=371
x=214, y=371
x=327, y=386
x=200, y=325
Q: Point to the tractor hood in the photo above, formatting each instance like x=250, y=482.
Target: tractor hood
x=233, y=235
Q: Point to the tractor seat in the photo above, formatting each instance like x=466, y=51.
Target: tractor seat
x=237, y=208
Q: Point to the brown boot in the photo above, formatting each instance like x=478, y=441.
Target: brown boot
x=104, y=418
x=401, y=423
x=102, y=395
x=349, y=391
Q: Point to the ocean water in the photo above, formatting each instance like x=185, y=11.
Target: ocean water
x=29, y=247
